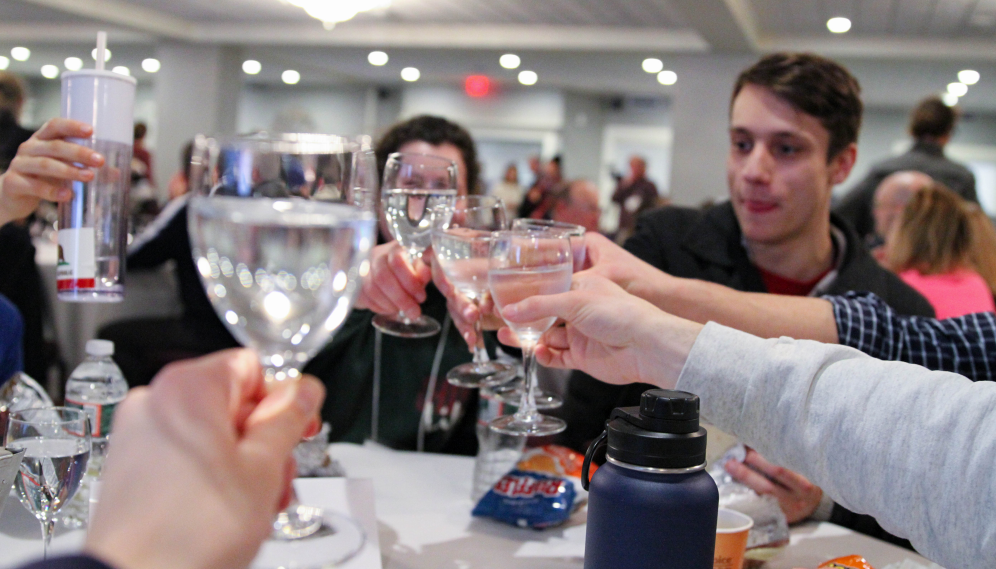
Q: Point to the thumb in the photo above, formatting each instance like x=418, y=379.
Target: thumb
x=281, y=419
x=564, y=305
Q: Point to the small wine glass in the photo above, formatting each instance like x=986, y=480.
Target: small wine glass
x=413, y=185
x=56, y=443
x=525, y=263
x=461, y=240
x=281, y=227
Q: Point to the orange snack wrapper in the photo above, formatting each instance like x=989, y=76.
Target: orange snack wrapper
x=553, y=459
x=848, y=562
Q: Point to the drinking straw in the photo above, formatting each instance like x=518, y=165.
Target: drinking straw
x=101, y=49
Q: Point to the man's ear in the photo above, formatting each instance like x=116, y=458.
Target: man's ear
x=841, y=164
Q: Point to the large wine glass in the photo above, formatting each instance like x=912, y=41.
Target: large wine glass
x=461, y=241
x=525, y=263
x=281, y=227
x=56, y=443
x=413, y=185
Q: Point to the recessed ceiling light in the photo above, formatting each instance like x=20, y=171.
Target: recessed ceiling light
x=251, y=66
x=949, y=99
x=528, y=77
x=122, y=70
x=667, y=77
x=107, y=54
x=410, y=74
x=838, y=25
x=20, y=53
x=968, y=76
x=509, y=61
x=4, y=62
x=290, y=77
x=957, y=89
x=652, y=65
x=73, y=63
x=151, y=65
x=377, y=58
x=49, y=71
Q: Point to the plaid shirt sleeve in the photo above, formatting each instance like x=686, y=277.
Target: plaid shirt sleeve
x=965, y=345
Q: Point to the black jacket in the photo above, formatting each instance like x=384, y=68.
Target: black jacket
x=708, y=246
x=926, y=157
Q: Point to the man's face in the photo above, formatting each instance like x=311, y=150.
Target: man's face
x=777, y=170
x=581, y=209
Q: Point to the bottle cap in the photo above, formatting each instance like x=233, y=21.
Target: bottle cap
x=100, y=348
x=663, y=432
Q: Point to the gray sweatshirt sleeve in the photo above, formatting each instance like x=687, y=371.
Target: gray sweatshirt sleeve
x=914, y=448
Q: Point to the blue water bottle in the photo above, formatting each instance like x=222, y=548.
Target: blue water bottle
x=652, y=504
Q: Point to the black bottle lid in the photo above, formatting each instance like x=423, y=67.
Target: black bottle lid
x=663, y=432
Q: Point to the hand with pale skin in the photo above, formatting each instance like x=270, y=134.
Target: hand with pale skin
x=44, y=167
x=394, y=284
x=797, y=496
x=608, y=333
x=465, y=313
x=200, y=464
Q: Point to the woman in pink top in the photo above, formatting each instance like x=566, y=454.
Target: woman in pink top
x=932, y=248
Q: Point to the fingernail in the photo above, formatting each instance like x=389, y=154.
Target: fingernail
x=96, y=159
x=64, y=194
x=308, y=397
x=510, y=311
x=468, y=313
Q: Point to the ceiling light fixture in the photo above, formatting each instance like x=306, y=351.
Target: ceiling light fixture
x=122, y=70
x=377, y=58
x=4, y=62
x=949, y=99
x=251, y=67
x=969, y=76
x=20, y=53
x=667, y=77
x=73, y=63
x=528, y=77
x=653, y=65
x=107, y=55
x=410, y=74
x=957, y=89
x=151, y=65
x=290, y=77
x=331, y=12
x=509, y=61
x=49, y=71
x=838, y=25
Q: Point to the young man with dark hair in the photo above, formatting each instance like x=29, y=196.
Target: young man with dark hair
x=794, y=121
x=931, y=125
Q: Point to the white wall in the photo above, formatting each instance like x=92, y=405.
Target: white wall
x=339, y=110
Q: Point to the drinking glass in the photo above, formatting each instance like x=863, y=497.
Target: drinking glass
x=511, y=392
x=413, y=185
x=525, y=263
x=56, y=443
x=461, y=240
x=281, y=227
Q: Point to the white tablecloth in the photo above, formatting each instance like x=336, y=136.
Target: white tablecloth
x=422, y=504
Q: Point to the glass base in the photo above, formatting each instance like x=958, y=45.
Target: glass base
x=489, y=374
x=338, y=540
x=297, y=522
x=511, y=393
x=421, y=327
x=542, y=425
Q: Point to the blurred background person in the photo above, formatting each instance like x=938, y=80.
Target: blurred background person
x=509, y=190
x=635, y=194
x=12, y=134
x=578, y=204
x=931, y=126
x=536, y=201
x=179, y=184
x=141, y=158
x=983, y=249
x=930, y=248
x=891, y=198
x=143, y=198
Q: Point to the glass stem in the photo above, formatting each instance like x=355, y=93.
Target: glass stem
x=480, y=353
x=47, y=527
x=527, y=405
x=412, y=257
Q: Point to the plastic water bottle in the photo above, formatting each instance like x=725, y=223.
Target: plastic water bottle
x=97, y=386
x=497, y=453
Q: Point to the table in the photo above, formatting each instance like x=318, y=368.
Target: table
x=422, y=504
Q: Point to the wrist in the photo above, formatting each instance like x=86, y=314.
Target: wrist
x=671, y=340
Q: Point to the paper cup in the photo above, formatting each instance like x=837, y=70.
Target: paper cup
x=732, y=528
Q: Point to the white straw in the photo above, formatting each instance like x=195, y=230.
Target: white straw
x=101, y=49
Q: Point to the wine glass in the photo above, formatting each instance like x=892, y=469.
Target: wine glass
x=56, y=443
x=525, y=263
x=413, y=185
x=511, y=392
x=281, y=227
x=461, y=241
